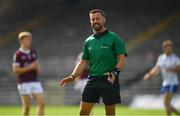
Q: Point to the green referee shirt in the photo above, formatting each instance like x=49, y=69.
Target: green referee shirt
x=101, y=51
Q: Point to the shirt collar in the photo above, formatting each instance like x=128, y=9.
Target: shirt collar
x=24, y=51
x=99, y=35
x=172, y=54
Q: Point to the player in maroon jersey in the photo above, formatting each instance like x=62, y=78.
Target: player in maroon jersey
x=26, y=67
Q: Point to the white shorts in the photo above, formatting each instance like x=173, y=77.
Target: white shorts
x=30, y=88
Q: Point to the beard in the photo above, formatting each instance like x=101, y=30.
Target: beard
x=97, y=26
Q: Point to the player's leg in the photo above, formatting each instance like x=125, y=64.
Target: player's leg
x=167, y=102
x=40, y=103
x=38, y=96
x=110, y=110
x=174, y=90
x=85, y=108
x=175, y=110
x=26, y=103
x=25, y=94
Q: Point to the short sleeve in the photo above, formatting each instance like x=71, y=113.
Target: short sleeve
x=85, y=52
x=178, y=61
x=119, y=46
x=16, y=60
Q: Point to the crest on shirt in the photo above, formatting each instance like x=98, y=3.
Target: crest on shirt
x=89, y=48
x=104, y=46
x=29, y=56
x=23, y=57
x=33, y=55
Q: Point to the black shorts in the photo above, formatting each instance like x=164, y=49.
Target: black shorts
x=97, y=87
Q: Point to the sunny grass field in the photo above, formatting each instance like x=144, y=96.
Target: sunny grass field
x=73, y=111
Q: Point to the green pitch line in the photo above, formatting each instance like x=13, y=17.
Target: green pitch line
x=74, y=110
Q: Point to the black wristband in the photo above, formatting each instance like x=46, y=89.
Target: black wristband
x=118, y=70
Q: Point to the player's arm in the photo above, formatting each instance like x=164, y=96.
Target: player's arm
x=176, y=69
x=21, y=70
x=153, y=72
x=121, y=61
x=120, y=52
x=38, y=69
x=79, y=68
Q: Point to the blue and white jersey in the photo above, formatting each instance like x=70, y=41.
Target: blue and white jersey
x=164, y=61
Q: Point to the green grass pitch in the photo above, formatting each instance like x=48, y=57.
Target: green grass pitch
x=73, y=111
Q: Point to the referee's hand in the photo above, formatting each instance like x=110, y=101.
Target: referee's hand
x=65, y=81
x=111, y=78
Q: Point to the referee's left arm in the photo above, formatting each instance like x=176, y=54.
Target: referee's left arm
x=121, y=61
x=120, y=51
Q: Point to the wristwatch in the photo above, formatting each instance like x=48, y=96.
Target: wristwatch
x=118, y=70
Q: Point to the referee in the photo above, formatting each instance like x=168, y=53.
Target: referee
x=105, y=53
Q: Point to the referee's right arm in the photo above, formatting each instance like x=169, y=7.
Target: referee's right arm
x=80, y=67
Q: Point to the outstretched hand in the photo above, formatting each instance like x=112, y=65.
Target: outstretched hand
x=65, y=81
x=146, y=77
